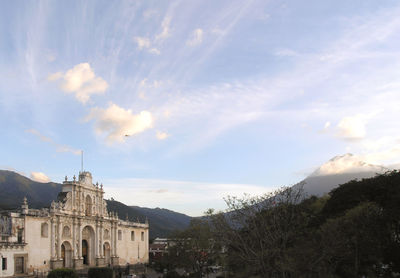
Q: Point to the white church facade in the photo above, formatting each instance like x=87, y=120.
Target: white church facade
x=77, y=231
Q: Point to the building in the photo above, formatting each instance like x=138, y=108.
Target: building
x=77, y=231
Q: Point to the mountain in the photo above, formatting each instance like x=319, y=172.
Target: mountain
x=14, y=187
x=339, y=170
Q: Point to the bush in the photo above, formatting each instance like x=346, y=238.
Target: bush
x=100, y=272
x=173, y=274
x=62, y=273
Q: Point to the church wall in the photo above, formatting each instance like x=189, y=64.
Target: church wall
x=132, y=251
x=38, y=245
x=10, y=254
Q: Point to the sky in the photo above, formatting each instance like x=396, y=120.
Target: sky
x=178, y=104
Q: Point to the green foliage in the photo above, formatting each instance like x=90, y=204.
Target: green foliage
x=63, y=273
x=173, y=274
x=353, y=232
x=100, y=272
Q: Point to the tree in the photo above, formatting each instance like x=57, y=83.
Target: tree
x=260, y=232
x=194, y=248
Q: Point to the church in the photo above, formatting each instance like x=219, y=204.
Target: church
x=77, y=231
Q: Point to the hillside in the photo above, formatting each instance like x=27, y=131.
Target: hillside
x=14, y=187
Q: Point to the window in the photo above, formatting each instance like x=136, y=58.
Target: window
x=133, y=235
x=19, y=238
x=119, y=235
x=142, y=236
x=45, y=230
x=88, y=206
x=3, y=263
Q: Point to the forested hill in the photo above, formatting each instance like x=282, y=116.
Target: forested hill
x=353, y=231
x=14, y=187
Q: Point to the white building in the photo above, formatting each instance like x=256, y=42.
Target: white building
x=77, y=231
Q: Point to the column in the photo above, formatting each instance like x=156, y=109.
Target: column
x=96, y=240
x=74, y=247
x=79, y=240
x=112, y=239
x=52, y=239
x=115, y=239
x=58, y=237
x=101, y=243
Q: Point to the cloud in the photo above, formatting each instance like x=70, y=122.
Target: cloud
x=188, y=197
x=164, y=29
x=347, y=163
x=39, y=177
x=154, y=85
x=286, y=53
x=196, y=38
x=59, y=147
x=145, y=44
x=142, y=43
x=55, y=76
x=81, y=81
x=353, y=127
x=161, y=135
x=118, y=123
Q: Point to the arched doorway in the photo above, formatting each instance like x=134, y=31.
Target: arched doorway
x=107, y=253
x=66, y=254
x=88, y=246
x=85, y=252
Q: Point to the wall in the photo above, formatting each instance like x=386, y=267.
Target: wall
x=9, y=254
x=127, y=249
x=37, y=246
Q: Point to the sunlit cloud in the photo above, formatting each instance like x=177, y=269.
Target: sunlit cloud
x=117, y=123
x=39, y=177
x=161, y=135
x=353, y=127
x=80, y=81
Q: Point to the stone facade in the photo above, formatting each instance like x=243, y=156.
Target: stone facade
x=77, y=231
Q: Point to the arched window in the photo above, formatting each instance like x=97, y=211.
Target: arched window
x=142, y=236
x=132, y=235
x=44, y=230
x=119, y=235
x=88, y=205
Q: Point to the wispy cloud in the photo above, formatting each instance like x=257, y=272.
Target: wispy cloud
x=188, y=197
x=59, y=147
x=145, y=44
x=196, y=37
x=165, y=29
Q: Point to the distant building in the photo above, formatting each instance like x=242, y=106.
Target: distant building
x=77, y=231
x=159, y=248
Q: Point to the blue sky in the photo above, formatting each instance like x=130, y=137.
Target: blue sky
x=177, y=104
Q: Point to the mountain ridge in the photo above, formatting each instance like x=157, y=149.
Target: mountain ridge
x=14, y=187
